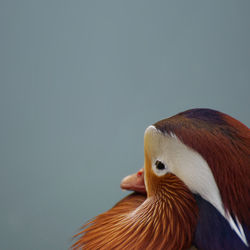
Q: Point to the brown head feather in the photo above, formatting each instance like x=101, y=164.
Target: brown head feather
x=224, y=143
x=164, y=221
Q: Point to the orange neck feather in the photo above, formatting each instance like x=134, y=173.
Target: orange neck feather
x=164, y=221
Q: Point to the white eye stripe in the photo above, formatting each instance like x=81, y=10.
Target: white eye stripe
x=160, y=168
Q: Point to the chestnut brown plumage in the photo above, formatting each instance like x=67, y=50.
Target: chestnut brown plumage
x=225, y=144
x=165, y=219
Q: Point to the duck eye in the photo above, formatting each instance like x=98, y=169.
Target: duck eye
x=159, y=165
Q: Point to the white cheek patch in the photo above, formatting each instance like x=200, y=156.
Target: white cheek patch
x=189, y=166
x=185, y=163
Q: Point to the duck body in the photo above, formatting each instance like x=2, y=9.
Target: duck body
x=213, y=231
x=194, y=188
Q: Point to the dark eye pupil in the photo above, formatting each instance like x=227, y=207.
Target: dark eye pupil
x=159, y=165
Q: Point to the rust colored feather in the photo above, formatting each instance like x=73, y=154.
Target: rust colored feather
x=224, y=143
x=164, y=221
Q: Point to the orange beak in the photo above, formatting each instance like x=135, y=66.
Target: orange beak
x=134, y=182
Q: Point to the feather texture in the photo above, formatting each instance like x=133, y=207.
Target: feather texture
x=166, y=220
x=224, y=143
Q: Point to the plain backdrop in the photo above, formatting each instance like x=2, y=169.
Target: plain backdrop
x=80, y=81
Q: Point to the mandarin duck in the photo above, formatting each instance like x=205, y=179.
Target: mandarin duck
x=194, y=188
x=210, y=152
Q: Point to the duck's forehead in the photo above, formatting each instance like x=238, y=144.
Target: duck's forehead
x=152, y=139
x=155, y=141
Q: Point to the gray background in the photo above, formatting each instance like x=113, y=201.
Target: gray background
x=79, y=83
